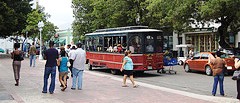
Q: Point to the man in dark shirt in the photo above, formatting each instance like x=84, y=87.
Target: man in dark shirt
x=51, y=55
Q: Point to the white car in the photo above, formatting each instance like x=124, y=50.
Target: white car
x=181, y=60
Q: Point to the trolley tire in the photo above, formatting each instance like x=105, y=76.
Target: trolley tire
x=89, y=66
x=139, y=72
x=114, y=72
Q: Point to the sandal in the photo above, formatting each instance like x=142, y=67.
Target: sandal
x=124, y=85
x=63, y=89
x=135, y=86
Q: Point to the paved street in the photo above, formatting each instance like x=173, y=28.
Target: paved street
x=99, y=87
x=195, y=82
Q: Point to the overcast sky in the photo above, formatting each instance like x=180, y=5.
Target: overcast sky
x=60, y=11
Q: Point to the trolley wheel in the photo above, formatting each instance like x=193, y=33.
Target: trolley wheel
x=114, y=72
x=139, y=72
x=89, y=66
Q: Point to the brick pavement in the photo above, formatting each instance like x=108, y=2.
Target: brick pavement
x=97, y=88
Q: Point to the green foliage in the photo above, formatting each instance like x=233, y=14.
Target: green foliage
x=180, y=14
x=33, y=19
x=99, y=14
x=177, y=15
x=13, y=16
x=49, y=30
x=32, y=22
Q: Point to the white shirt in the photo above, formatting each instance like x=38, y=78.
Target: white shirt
x=71, y=54
x=67, y=50
x=79, y=59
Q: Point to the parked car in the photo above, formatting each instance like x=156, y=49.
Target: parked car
x=200, y=62
x=2, y=50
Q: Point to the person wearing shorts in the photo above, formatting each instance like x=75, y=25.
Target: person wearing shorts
x=127, y=68
x=63, y=70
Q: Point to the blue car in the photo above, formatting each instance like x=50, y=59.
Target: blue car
x=1, y=50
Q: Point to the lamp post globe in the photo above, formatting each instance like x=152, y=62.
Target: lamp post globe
x=40, y=26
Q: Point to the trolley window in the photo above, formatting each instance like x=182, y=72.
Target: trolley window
x=135, y=44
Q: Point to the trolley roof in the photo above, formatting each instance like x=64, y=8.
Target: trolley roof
x=125, y=31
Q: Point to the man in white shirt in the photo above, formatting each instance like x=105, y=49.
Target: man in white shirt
x=78, y=66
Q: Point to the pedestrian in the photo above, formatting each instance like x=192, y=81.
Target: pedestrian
x=32, y=53
x=127, y=68
x=237, y=66
x=190, y=53
x=62, y=50
x=68, y=48
x=17, y=56
x=78, y=66
x=63, y=71
x=51, y=56
x=71, y=58
x=218, y=72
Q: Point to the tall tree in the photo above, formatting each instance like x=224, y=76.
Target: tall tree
x=13, y=16
x=180, y=14
x=34, y=18
x=98, y=14
x=225, y=12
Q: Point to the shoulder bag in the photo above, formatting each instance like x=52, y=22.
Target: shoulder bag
x=236, y=75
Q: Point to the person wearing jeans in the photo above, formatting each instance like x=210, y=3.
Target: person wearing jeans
x=77, y=78
x=218, y=72
x=218, y=78
x=32, y=53
x=47, y=72
x=51, y=55
x=78, y=66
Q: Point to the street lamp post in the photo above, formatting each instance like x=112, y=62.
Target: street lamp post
x=40, y=26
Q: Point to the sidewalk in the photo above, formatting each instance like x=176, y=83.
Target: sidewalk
x=97, y=88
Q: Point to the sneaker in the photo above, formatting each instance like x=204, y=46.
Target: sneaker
x=135, y=86
x=51, y=92
x=124, y=85
x=73, y=88
x=44, y=91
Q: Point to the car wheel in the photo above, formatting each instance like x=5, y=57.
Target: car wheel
x=180, y=62
x=208, y=70
x=187, y=68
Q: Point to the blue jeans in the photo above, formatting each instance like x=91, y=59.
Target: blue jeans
x=32, y=60
x=47, y=72
x=77, y=75
x=218, y=78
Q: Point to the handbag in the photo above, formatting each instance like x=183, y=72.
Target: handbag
x=21, y=56
x=68, y=64
x=236, y=75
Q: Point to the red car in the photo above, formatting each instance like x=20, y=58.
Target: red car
x=200, y=62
